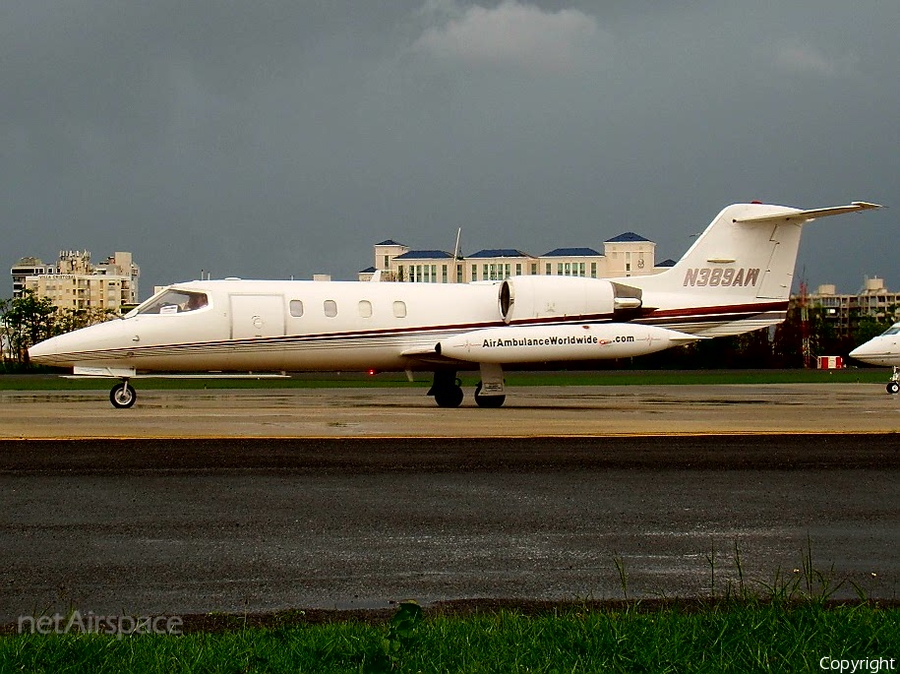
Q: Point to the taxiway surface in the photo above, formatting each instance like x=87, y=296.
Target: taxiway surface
x=407, y=412
x=575, y=494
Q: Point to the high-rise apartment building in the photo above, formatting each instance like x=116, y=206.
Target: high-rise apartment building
x=74, y=282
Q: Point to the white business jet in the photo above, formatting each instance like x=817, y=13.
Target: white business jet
x=735, y=278
x=883, y=350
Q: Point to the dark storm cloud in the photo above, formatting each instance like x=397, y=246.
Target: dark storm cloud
x=284, y=138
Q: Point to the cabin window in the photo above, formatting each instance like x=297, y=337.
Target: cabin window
x=330, y=308
x=400, y=309
x=296, y=308
x=173, y=301
x=365, y=308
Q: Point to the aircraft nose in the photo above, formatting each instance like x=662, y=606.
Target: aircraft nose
x=59, y=351
x=870, y=348
x=43, y=352
x=77, y=346
x=878, y=351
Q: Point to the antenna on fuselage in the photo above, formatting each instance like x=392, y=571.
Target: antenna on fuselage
x=456, y=267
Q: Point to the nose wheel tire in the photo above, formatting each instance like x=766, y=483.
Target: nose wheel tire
x=122, y=395
x=893, y=387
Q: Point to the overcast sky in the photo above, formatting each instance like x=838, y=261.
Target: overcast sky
x=282, y=138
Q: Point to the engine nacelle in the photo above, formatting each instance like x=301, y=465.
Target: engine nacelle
x=524, y=298
x=554, y=343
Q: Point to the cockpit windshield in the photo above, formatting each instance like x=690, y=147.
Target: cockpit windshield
x=893, y=330
x=172, y=301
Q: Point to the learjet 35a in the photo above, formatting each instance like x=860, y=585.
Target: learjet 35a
x=735, y=278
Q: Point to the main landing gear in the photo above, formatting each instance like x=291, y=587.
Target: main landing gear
x=122, y=395
x=490, y=391
x=446, y=389
x=893, y=386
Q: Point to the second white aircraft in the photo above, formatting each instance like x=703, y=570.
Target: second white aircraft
x=735, y=278
x=883, y=350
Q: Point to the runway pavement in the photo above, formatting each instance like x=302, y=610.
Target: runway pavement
x=591, y=493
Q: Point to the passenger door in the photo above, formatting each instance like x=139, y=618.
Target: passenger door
x=257, y=316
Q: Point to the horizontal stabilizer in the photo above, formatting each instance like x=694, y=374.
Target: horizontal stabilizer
x=791, y=215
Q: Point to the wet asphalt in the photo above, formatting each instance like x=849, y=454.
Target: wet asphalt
x=147, y=527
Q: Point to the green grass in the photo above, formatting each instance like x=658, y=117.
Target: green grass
x=719, y=637
x=513, y=378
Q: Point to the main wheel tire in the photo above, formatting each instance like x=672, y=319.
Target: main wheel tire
x=122, y=395
x=451, y=396
x=488, y=401
x=893, y=387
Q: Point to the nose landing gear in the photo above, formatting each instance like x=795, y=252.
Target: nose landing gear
x=122, y=395
x=893, y=386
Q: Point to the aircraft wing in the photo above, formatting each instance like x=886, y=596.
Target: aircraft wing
x=804, y=216
x=428, y=354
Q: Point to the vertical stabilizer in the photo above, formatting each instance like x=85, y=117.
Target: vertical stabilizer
x=747, y=253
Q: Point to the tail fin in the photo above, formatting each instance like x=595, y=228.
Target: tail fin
x=748, y=252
